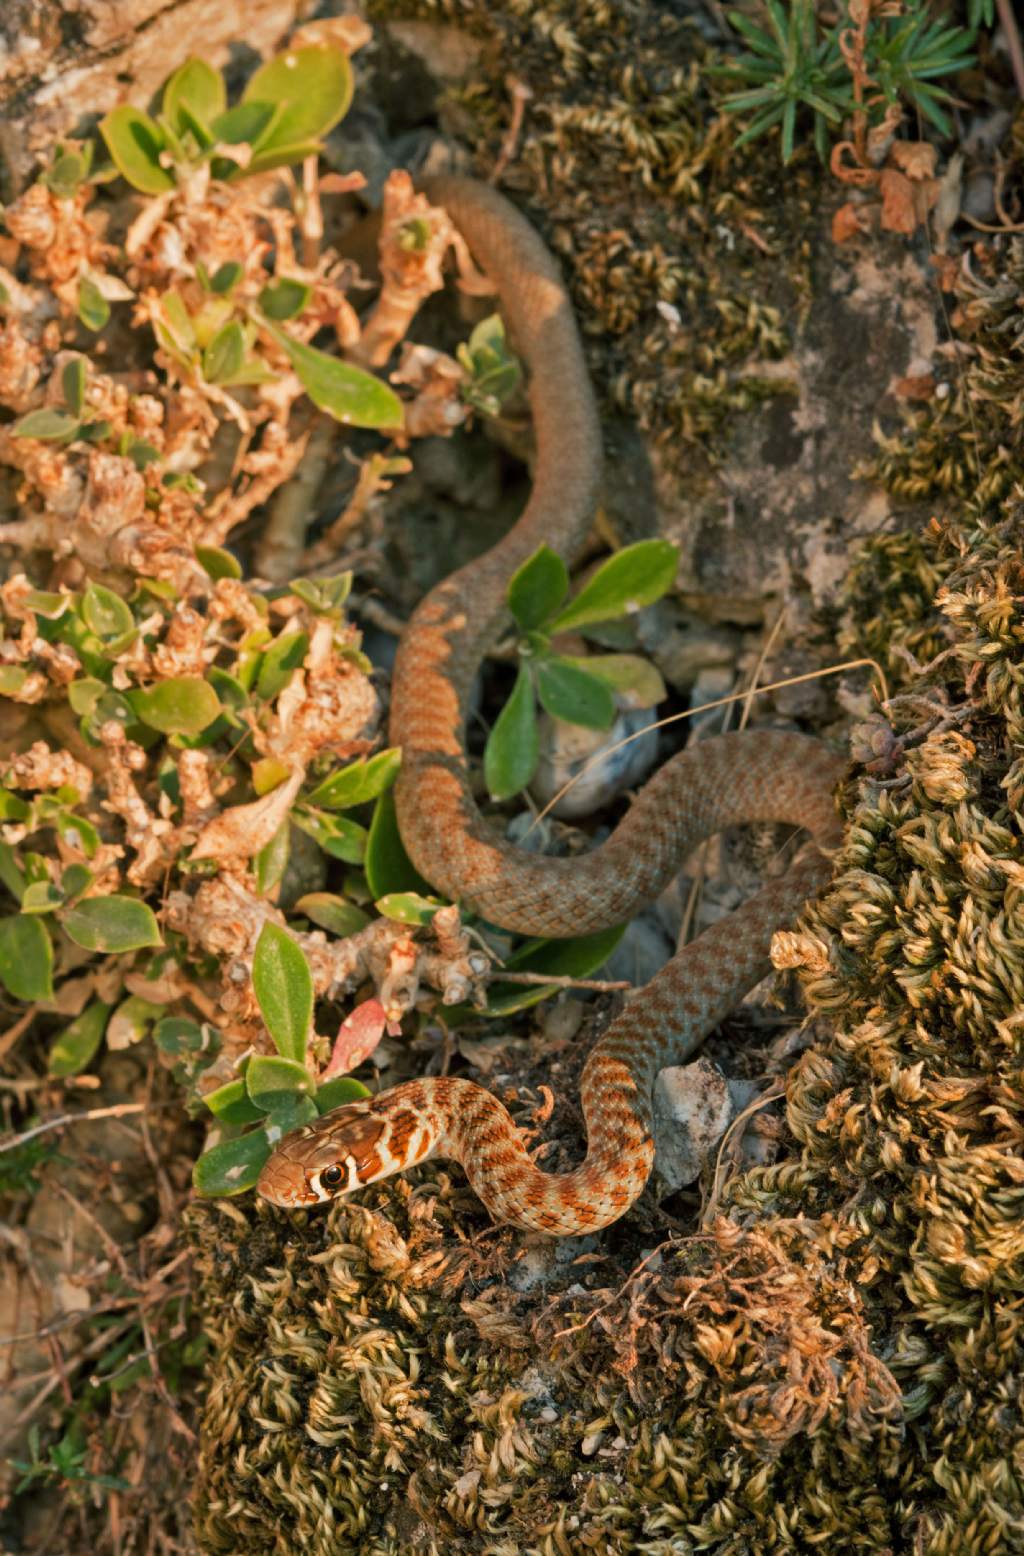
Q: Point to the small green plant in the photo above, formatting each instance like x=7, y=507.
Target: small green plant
x=288, y=104
x=575, y=690
x=64, y=1461
x=798, y=63
x=275, y=1092
x=493, y=373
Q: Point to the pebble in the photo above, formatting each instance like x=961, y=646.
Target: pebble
x=693, y=1107
x=565, y=749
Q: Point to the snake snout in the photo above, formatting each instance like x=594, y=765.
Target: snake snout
x=321, y=1161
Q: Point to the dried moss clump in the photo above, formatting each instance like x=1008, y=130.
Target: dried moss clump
x=966, y=444
x=382, y=1387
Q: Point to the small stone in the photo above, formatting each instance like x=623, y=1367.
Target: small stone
x=560, y=1019
x=692, y=1110
x=643, y=951
x=680, y=648
x=566, y=749
x=710, y=687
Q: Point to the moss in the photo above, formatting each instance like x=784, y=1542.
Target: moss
x=384, y=1391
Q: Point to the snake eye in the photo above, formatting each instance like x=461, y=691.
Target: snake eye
x=331, y=1177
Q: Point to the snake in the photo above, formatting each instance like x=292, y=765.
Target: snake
x=745, y=776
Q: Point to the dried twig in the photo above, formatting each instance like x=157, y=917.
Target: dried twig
x=1014, y=46
x=120, y=1111
x=719, y=702
x=551, y=981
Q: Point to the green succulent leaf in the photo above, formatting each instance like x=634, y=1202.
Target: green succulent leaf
x=632, y=578
x=313, y=86
x=176, y=330
x=12, y=679
x=408, y=907
x=283, y=986
x=26, y=958
x=113, y=924
x=570, y=694
x=269, y=1079
x=339, y=1091
x=93, y=308
x=360, y=781
x=324, y=596
x=66, y=174
x=75, y=1048
x=76, y=879
x=47, y=426
x=131, y=1021
x=289, y=1110
x=11, y=873
x=181, y=705
x=628, y=673
x=538, y=588
x=226, y=277
x=141, y=453
x=332, y=913
x=225, y=354
x=231, y=1104
x=285, y=298
x=243, y=125
x=105, y=613
x=339, y=837
x=196, y=88
x=135, y=143
x=280, y=662
x=494, y=372
x=349, y=394
x=232, y=1166
x=12, y=808
x=387, y=865
x=41, y=897
x=513, y=746
x=218, y=563
x=177, y=1035
x=271, y=862
x=73, y=381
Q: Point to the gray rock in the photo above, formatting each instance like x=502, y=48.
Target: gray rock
x=693, y=1107
x=567, y=749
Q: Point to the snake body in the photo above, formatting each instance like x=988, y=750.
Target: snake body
x=751, y=776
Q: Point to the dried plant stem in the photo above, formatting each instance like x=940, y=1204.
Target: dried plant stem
x=719, y=702
x=521, y=95
x=121, y=1110
x=553, y=981
x=1015, y=48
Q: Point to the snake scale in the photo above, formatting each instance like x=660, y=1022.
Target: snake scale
x=749, y=776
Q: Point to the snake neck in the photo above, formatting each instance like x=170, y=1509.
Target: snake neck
x=462, y=1122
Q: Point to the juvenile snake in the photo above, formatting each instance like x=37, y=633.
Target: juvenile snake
x=752, y=776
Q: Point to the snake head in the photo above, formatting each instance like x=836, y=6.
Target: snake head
x=331, y=1156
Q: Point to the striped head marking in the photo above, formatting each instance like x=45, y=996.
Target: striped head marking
x=329, y=1157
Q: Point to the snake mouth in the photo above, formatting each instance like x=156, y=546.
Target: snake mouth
x=286, y=1190
x=325, y=1160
